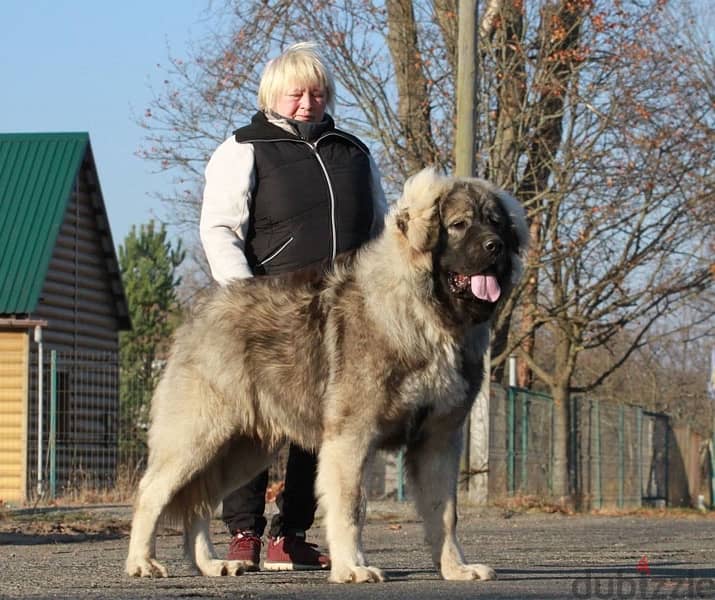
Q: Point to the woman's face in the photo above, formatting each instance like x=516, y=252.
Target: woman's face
x=302, y=103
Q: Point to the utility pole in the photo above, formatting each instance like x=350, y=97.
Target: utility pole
x=475, y=461
x=465, y=144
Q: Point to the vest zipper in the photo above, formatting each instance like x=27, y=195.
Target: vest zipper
x=333, y=225
x=314, y=146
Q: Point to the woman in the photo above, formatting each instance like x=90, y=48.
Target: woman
x=286, y=192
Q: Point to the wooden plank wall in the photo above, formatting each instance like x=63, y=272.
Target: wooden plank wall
x=13, y=415
x=77, y=299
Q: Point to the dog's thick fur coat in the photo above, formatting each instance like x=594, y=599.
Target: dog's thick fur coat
x=372, y=353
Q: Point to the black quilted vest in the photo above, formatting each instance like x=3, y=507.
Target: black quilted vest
x=311, y=200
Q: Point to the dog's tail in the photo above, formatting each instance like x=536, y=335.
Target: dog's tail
x=193, y=500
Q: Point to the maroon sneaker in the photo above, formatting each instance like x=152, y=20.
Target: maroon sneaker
x=293, y=553
x=246, y=547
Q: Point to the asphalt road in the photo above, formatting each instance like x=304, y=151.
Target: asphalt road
x=81, y=555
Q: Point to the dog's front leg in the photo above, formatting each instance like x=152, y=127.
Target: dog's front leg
x=433, y=465
x=341, y=468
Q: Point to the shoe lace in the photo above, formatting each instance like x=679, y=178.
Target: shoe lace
x=245, y=540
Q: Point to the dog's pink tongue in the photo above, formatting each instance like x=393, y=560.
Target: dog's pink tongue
x=486, y=287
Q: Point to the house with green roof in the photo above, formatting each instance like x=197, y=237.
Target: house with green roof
x=61, y=291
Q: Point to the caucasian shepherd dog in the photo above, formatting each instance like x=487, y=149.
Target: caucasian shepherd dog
x=370, y=354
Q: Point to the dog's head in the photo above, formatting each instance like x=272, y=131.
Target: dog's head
x=470, y=234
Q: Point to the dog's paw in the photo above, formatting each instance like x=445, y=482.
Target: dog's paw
x=355, y=574
x=223, y=568
x=468, y=572
x=145, y=567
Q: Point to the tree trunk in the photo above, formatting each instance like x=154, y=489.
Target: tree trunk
x=502, y=30
x=527, y=328
x=448, y=21
x=506, y=42
x=561, y=468
x=413, y=109
x=560, y=36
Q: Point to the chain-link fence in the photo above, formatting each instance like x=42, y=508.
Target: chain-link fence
x=621, y=455
x=93, y=442
x=77, y=409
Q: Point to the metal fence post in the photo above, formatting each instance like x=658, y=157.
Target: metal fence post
x=510, y=458
x=712, y=472
x=401, y=475
x=572, y=461
x=40, y=408
x=552, y=416
x=639, y=456
x=52, y=447
x=524, y=440
x=621, y=453
x=667, y=460
x=597, y=451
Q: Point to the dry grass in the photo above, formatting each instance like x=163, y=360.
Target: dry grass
x=655, y=513
x=122, y=492
x=83, y=491
x=535, y=504
x=528, y=504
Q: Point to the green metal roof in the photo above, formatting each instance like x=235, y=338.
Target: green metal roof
x=37, y=172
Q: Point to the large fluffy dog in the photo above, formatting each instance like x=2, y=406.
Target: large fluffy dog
x=368, y=355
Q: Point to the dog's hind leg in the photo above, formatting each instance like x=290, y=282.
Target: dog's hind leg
x=183, y=444
x=200, y=550
x=339, y=484
x=243, y=461
x=153, y=497
x=433, y=464
x=171, y=486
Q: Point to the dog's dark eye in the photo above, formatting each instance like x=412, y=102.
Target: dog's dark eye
x=458, y=226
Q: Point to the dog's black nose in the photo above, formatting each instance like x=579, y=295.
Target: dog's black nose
x=493, y=245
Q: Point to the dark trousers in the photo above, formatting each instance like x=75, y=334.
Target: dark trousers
x=243, y=508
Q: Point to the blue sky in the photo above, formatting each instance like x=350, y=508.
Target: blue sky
x=85, y=65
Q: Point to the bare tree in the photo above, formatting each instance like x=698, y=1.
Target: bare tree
x=622, y=171
x=597, y=115
x=413, y=101
x=669, y=374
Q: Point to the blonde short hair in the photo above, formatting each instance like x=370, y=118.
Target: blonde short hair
x=301, y=64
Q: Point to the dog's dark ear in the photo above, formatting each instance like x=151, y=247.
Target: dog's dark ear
x=519, y=229
x=401, y=221
x=517, y=216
